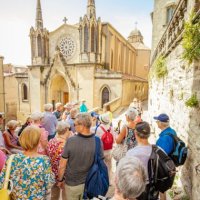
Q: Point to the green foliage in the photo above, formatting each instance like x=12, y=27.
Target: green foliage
x=160, y=68
x=192, y=101
x=191, y=40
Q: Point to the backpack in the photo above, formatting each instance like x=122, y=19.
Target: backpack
x=161, y=170
x=179, y=153
x=107, y=139
x=97, y=180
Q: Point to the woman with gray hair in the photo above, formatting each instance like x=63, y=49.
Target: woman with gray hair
x=55, y=149
x=130, y=180
x=10, y=139
x=127, y=134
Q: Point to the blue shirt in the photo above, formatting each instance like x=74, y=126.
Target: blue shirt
x=49, y=122
x=165, y=141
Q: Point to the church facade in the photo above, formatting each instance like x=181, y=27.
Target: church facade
x=90, y=60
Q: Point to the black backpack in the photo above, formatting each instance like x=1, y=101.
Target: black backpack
x=179, y=153
x=161, y=170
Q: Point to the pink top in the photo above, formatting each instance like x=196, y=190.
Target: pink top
x=43, y=137
x=13, y=138
x=2, y=159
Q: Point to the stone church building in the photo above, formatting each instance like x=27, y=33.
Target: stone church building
x=90, y=60
x=181, y=82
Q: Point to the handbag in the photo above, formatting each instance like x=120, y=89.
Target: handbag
x=5, y=192
x=119, y=150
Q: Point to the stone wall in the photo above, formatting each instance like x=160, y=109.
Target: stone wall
x=170, y=93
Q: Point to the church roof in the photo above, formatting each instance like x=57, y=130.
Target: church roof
x=139, y=45
x=135, y=32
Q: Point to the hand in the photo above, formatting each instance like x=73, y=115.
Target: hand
x=5, y=150
x=61, y=185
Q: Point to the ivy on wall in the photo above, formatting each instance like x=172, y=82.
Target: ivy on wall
x=191, y=40
x=160, y=68
x=192, y=101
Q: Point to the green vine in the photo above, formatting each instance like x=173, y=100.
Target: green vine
x=160, y=68
x=191, y=40
x=192, y=101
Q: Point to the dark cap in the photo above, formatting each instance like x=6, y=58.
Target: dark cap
x=162, y=117
x=143, y=127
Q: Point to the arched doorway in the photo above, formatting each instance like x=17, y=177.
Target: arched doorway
x=105, y=96
x=59, y=91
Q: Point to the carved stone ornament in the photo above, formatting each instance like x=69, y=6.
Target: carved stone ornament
x=67, y=46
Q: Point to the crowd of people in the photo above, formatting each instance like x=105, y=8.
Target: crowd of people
x=55, y=149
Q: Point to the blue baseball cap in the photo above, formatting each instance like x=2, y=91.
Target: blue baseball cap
x=94, y=114
x=162, y=117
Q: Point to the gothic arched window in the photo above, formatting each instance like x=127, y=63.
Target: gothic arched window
x=105, y=96
x=86, y=38
x=39, y=45
x=24, y=92
x=92, y=38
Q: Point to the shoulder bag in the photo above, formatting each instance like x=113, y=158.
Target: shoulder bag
x=5, y=192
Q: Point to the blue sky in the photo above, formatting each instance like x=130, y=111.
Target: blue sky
x=17, y=16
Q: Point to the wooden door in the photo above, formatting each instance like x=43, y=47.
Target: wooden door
x=65, y=97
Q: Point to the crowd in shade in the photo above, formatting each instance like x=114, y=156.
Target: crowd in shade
x=53, y=153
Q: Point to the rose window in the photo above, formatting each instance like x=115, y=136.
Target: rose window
x=67, y=47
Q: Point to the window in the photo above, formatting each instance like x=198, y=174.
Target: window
x=24, y=92
x=85, y=39
x=92, y=39
x=39, y=44
x=105, y=96
x=170, y=12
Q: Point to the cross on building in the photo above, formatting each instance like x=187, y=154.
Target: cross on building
x=65, y=20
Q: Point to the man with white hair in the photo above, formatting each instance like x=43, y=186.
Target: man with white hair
x=165, y=141
x=130, y=180
x=49, y=121
x=143, y=152
x=77, y=158
x=58, y=111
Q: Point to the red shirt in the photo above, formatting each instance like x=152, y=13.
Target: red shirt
x=55, y=150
